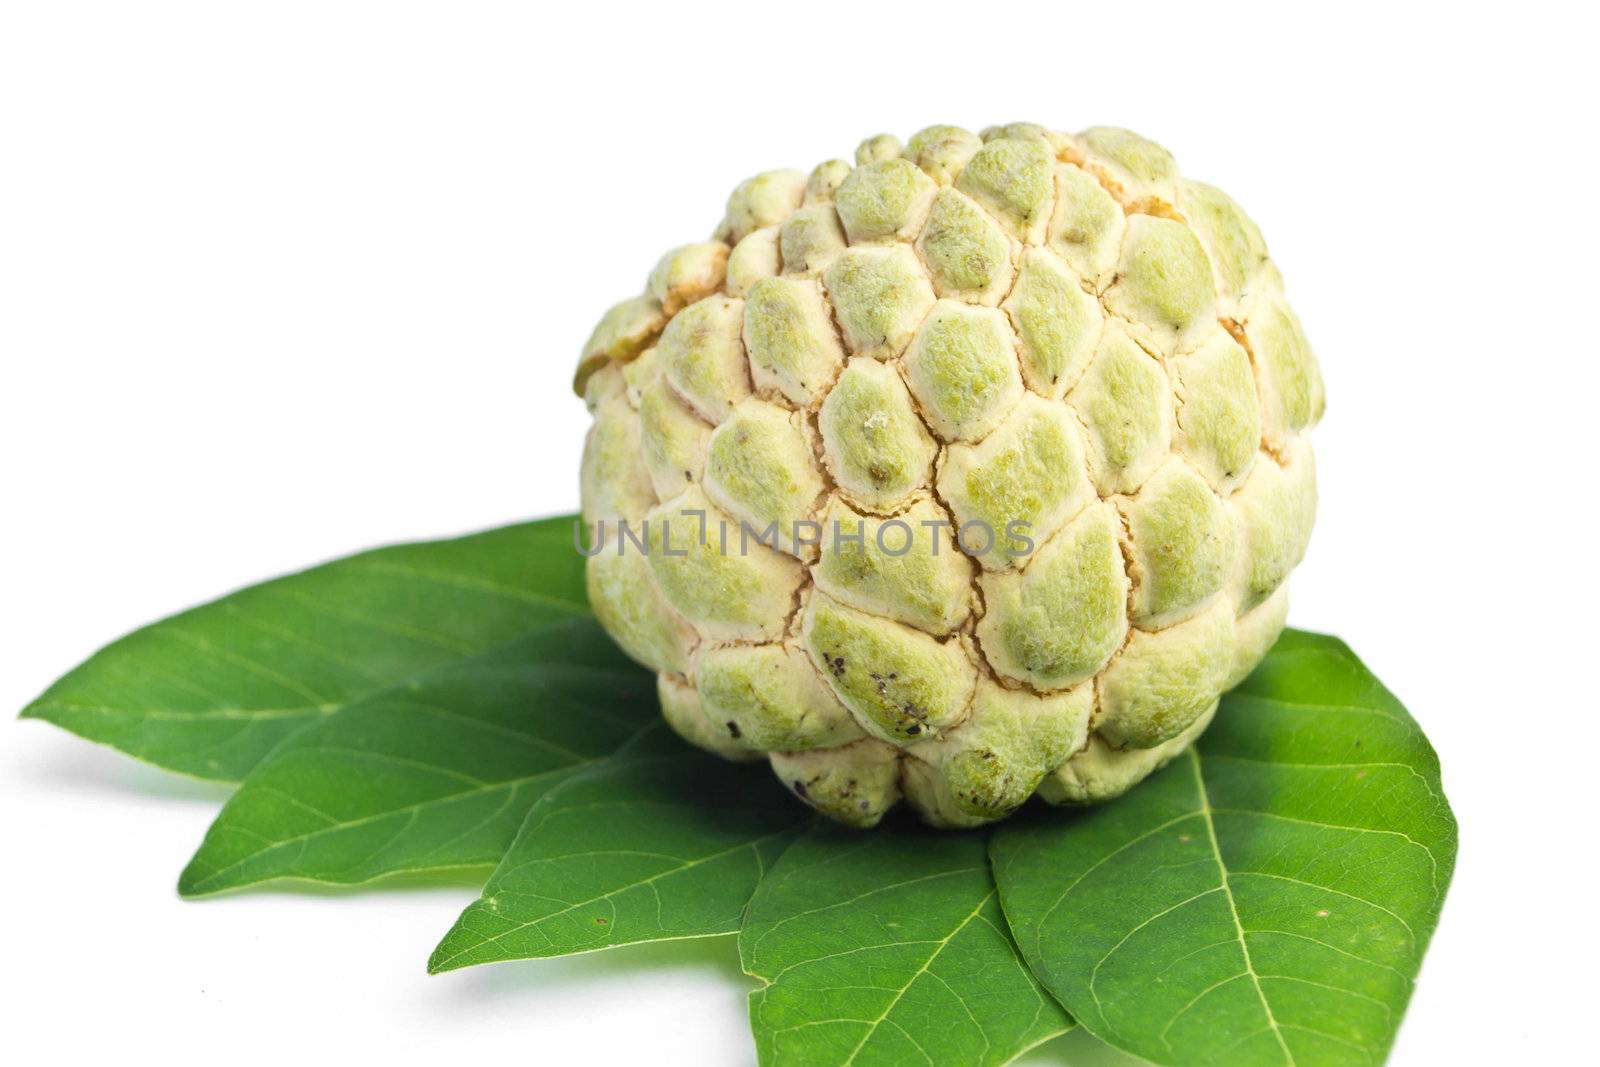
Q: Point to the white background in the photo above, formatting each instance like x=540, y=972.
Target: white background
x=282, y=281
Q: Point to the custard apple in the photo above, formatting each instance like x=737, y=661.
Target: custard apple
x=971, y=471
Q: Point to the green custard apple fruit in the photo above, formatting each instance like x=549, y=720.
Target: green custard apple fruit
x=972, y=471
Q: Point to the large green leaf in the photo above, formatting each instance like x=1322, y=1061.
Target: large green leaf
x=1266, y=899
x=212, y=690
x=432, y=774
x=888, y=947
x=647, y=848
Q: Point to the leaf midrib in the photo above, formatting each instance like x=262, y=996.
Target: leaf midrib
x=683, y=865
x=940, y=946
x=32, y=711
x=1205, y=814
x=197, y=888
x=480, y=585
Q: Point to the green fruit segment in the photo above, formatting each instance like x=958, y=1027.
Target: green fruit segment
x=1013, y=178
x=1087, y=226
x=855, y=784
x=900, y=682
x=1180, y=541
x=905, y=568
x=702, y=356
x=1292, y=395
x=1164, y=681
x=966, y=250
x=759, y=469
x=942, y=151
x=1231, y=240
x=770, y=698
x=1125, y=403
x=883, y=199
x=762, y=201
x=672, y=439
x=625, y=597
x=1163, y=283
x=991, y=764
x=731, y=592
x=810, y=240
x=879, y=296
x=962, y=368
x=876, y=447
x=1014, y=490
x=1058, y=622
x=1056, y=320
x=1276, y=506
x=1219, y=417
x=1144, y=166
x=790, y=339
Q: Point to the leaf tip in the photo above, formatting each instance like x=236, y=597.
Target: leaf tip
x=192, y=881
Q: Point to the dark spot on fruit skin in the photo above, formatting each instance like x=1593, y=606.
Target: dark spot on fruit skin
x=914, y=729
x=733, y=729
x=799, y=788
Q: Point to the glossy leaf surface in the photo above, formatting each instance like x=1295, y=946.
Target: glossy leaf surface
x=888, y=947
x=212, y=690
x=1267, y=898
x=638, y=849
x=432, y=774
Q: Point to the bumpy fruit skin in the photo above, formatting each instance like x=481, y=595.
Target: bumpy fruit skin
x=958, y=333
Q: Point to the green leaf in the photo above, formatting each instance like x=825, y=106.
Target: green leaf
x=209, y=692
x=1266, y=899
x=433, y=774
x=888, y=947
x=638, y=849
